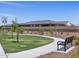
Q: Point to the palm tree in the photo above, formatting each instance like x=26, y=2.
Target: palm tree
x=4, y=21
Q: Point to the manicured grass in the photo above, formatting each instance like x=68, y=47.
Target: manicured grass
x=26, y=42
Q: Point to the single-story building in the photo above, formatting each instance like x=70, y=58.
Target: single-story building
x=49, y=27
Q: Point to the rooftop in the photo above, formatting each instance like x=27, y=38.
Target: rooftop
x=46, y=22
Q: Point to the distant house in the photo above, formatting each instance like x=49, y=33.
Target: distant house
x=58, y=28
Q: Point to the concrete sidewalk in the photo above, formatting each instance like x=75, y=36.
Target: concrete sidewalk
x=52, y=47
x=2, y=53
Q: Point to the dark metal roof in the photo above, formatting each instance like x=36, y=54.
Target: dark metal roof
x=45, y=22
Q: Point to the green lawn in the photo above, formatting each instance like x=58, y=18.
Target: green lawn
x=26, y=42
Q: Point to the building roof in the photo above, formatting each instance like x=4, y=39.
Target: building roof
x=45, y=22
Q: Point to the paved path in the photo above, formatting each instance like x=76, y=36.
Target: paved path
x=37, y=51
x=2, y=53
x=52, y=47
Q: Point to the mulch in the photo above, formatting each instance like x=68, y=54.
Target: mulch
x=59, y=54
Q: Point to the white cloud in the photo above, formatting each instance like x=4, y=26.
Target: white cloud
x=11, y=3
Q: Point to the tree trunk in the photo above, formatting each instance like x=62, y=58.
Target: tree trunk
x=3, y=32
x=4, y=28
x=12, y=35
x=17, y=37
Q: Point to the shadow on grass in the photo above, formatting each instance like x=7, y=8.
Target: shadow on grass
x=14, y=41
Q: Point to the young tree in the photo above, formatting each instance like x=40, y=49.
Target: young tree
x=13, y=27
x=50, y=30
x=16, y=28
x=41, y=30
x=0, y=28
x=18, y=31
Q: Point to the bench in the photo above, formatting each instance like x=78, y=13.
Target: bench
x=65, y=43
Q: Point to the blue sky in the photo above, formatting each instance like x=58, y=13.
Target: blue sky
x=31, y=11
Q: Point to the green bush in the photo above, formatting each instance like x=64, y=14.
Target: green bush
x=77, y=41
x=75, y=54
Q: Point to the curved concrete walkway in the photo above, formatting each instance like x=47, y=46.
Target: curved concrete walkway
x=52, y=47
x=2, y=53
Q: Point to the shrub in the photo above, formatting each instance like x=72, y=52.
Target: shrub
x=77, y=41
x=76, y=53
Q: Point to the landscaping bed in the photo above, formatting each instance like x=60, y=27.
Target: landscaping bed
x=72, y=54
